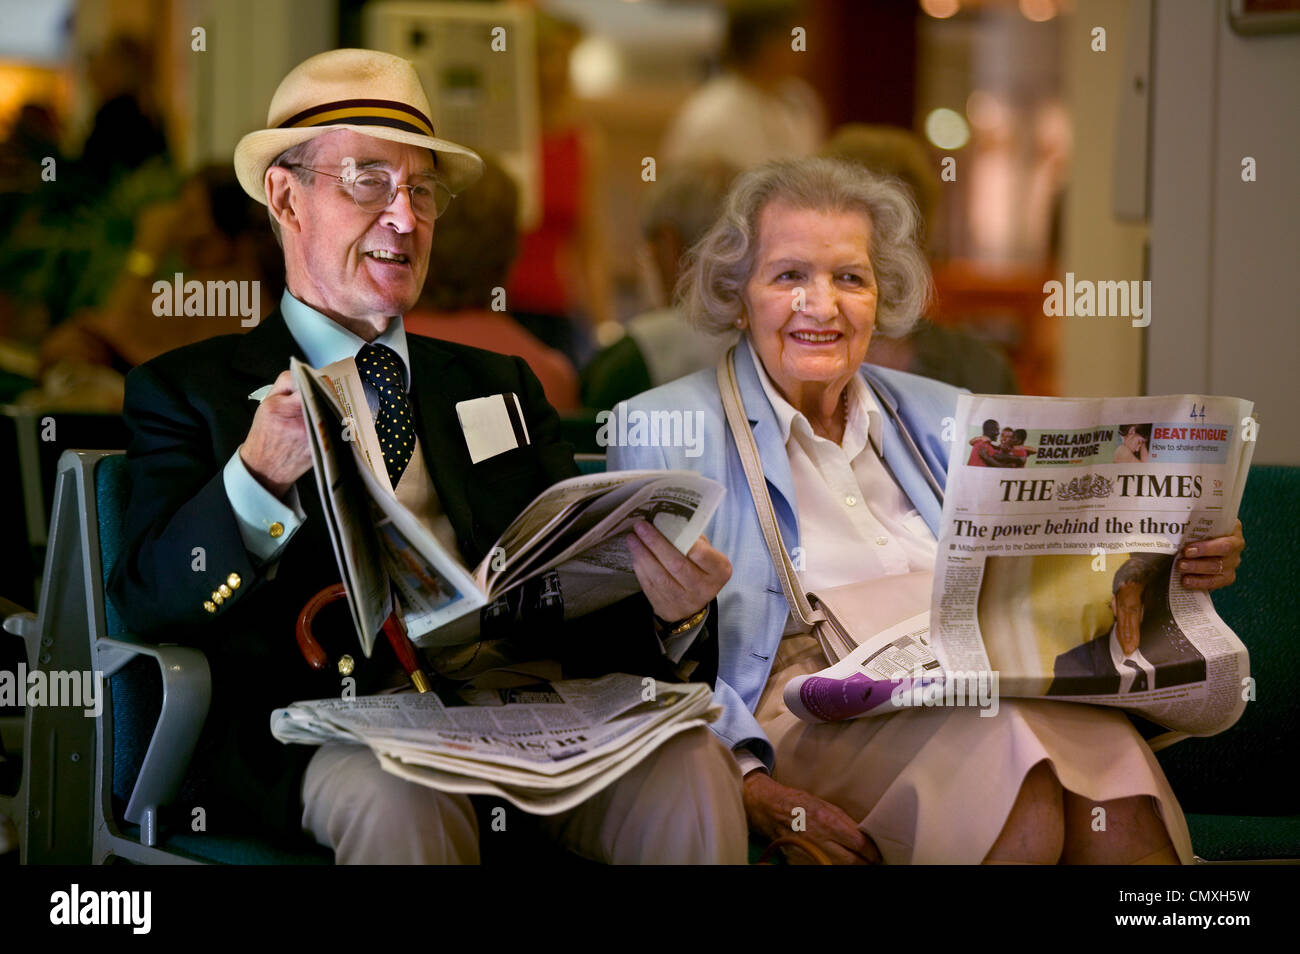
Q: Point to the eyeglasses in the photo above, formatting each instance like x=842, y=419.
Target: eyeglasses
x=373, y=190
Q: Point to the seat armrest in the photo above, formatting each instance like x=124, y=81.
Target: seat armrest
x=187, y=692
x=22, y=624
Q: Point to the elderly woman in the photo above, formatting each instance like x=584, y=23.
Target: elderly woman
x=809, y=258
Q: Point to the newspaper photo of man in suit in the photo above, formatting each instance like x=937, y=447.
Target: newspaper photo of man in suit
x=1144, y=650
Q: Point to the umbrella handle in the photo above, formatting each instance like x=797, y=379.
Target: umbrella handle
x=311, y=650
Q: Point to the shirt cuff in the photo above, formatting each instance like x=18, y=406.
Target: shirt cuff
x=748, y=761
x=265, y=522
x=674, y=647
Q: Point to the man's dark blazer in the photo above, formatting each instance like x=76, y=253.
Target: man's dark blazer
x=189, y=411
x=1087, y=669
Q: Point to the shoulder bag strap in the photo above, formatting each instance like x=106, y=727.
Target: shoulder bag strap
x=739, y=424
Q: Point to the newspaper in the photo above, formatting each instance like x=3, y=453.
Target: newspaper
x=545, y=746
x=575, y=528
x=1055, y=574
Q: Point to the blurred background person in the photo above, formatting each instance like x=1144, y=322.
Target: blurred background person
x=211, y=231
x=474, y=243
x=659, y=345
x=66, y=240
x=759, y=107
x=931, y=350
x=33, y=138
x=126, y=132
x=560, y=287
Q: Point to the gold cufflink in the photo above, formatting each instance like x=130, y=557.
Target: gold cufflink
x=346, y=665
x=210, y=606
x=217, y=598
x=233, y=581
x=276, y=529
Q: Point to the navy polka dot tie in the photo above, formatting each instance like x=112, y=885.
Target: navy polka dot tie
x=381, y=368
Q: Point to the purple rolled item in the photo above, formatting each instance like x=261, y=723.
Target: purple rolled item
x=824, y=699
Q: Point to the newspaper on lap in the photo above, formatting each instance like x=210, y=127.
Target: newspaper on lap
x=1055, y=574
x=544, y=747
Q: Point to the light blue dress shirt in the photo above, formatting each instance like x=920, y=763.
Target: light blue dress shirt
x=323, y=341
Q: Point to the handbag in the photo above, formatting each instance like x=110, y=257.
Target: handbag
x=841, y=617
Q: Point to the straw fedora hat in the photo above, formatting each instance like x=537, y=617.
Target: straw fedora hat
x=372, y=93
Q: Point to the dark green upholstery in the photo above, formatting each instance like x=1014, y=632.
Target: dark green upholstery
x=1237, y=787
x=580, y=429
x=616, y=374
x=110, y=498
x=590, y=464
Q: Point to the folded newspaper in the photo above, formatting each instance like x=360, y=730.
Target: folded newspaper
x=544, y=747
x=576, y=527
x=1055, y=574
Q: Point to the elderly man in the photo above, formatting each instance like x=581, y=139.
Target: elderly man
x=226, y=539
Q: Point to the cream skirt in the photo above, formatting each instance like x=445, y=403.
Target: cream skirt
x=936, y=785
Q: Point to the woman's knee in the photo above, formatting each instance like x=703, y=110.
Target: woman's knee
x=1034, y=832
x=1118, y=831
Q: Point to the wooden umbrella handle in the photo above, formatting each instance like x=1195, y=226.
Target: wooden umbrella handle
x=311, y=650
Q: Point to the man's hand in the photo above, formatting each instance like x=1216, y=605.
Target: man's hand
x=276, y=451
x=770, y=808
x=677, y=586
x=1212, y=564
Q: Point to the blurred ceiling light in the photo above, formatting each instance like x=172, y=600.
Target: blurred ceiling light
x=941, y=9
x=946, y=129
x=1038, y=10
x=595, y=67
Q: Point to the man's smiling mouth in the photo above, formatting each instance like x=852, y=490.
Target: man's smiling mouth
x=383, y=255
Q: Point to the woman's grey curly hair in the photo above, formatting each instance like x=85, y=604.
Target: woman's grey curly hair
x=711, y=289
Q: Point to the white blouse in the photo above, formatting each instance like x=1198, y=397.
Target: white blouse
x=855, y=522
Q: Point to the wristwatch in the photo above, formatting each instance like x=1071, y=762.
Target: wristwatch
x=683, y=625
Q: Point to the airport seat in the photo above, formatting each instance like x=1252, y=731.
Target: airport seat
x=1236, y=788
x=108, y=780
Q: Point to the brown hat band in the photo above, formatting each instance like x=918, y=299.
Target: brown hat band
x=363, y=112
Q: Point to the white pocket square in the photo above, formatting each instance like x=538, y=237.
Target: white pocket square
x=492, y=425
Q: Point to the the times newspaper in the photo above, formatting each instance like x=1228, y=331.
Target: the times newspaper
x=1056, y=569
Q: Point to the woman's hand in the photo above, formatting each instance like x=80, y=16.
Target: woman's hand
x=1212, y=564
x=770, y=808
x=678, y=586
